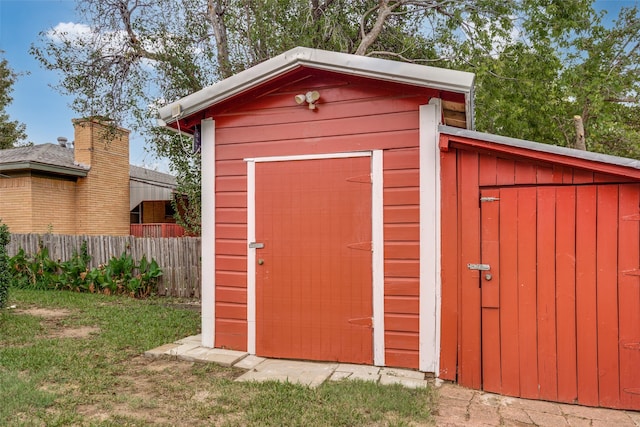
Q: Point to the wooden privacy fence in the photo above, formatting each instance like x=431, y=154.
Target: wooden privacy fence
x=179, y=257
x=157, y=230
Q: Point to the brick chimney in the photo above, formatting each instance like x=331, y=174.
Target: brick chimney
x=102, y=199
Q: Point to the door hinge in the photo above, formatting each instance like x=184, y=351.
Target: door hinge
x=489, y=199
x=362, y=321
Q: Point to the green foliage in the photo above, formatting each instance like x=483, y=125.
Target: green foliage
x=12, y=133
x=73, y=272
x=121, y=275
x=5, y=272
x=534, y=86
x=37, y=271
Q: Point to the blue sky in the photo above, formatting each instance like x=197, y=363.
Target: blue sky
x=45, y=112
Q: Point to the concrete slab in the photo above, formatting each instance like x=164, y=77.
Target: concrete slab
x=356, y=372
x=339, y=376
x=193, y=339
x=311, y=374
x=249, y=362
x=163, y=350
x=182, y=349
x=386, y=379
x=402, y=373
x=635, y=417
x=215, y=355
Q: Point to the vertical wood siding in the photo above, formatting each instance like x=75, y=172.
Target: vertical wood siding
x=566, y=326
x=353, y=114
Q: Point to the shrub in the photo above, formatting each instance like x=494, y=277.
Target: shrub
x=35, y=271
x=5, y=273
x=120, y=275
x=74, y=272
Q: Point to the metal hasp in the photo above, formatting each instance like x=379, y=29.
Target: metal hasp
x=256, y=245
x=489, y=199
x=481, y=267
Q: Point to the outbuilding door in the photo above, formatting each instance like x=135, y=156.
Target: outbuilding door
x=314, y=273
x=561, y=298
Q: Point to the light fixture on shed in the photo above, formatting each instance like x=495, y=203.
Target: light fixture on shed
x=310, y=98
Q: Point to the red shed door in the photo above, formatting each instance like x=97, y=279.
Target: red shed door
x=561, y=298
x=313, y=276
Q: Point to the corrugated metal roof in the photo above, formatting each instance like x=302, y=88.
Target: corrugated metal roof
x=542, y=148
x=137, y=173
x=381, y=69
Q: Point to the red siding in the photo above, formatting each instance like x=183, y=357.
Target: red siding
x=401, y=254
x=570, y=330
x=353, y=114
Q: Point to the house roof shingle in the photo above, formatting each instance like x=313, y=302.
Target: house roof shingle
x=47, y=157
x=56, y=159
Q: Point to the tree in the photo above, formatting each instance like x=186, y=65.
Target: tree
x=12, y=133
x=538, y=62
x=535, y=86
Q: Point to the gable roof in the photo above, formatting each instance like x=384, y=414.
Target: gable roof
x=356, y=65
x=48, y=157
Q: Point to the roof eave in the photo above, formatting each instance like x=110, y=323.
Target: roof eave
x=600, y=163
x=42, y=167
x=153, y=183
x=400, y=72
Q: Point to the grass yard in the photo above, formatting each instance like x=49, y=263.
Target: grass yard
x=76, y=359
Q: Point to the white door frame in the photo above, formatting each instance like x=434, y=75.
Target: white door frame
x=377, y=234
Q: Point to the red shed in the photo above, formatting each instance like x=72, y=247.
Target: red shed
x=540, y=270
x=343, y=222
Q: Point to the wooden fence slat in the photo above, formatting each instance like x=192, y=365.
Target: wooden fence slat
x=178, y=257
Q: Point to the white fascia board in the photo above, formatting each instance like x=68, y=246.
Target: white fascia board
x=376, y=68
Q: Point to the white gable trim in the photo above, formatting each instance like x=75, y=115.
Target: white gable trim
x=357, y=65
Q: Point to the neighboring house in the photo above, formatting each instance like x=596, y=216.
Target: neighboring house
x=89, y=188
x=342, y=221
